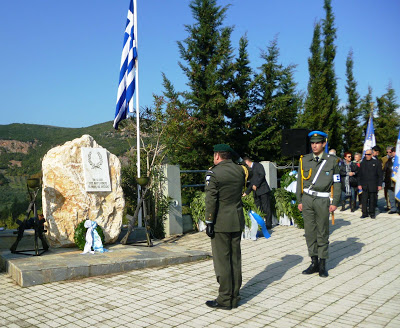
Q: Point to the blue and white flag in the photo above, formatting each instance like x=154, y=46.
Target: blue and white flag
x=396, y=170
x=369, y=136
x=126, y=86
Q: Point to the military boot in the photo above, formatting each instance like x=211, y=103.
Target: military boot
x=322, y=270
x=353, y=205
x=313, y=266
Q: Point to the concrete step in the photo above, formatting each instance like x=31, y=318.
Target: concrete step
x=68, y=263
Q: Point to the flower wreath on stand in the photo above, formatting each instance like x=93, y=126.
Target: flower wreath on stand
x=89, y=235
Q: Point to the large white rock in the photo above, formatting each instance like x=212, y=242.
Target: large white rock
x=65, y=200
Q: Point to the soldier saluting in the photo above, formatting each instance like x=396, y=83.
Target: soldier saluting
x=318, y=173
x=225, y=222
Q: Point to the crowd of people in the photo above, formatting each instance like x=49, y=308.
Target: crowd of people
x=362, y=179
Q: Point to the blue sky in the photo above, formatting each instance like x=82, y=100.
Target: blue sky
x=60, y=59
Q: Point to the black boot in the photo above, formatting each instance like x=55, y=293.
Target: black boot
x=313, y=266
x=322, y=271
x=353, y=205
x=343, y=205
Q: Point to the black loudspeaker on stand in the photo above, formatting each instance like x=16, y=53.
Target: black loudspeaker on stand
x=295, y=142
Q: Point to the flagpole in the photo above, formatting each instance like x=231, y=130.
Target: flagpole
x=137, y=92
x=137, y=107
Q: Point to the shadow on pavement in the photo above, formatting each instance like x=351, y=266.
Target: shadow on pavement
x=272, y=272
x=341, y=250
x=338, y=224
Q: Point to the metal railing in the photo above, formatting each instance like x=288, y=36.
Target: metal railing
x=193, y=185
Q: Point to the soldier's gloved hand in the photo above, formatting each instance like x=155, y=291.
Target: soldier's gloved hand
x=210, y=230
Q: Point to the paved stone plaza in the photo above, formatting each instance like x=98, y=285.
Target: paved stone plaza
x=362, y=290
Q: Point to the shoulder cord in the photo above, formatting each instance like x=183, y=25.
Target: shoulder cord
x=302, y=173
x=246, y=175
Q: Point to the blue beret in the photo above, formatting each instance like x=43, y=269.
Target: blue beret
x=317, y=136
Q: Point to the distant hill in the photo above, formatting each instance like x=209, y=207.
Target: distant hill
x=23, y=146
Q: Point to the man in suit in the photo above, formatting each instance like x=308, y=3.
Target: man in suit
x=261, y=190
x=225, y=222
x=370, y=178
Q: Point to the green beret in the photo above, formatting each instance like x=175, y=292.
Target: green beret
x=222, y=147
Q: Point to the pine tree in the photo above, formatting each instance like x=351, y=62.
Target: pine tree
x=331, y=116
x=276, y=105
x=207, y=64
x=388, y=119
x=352, y=131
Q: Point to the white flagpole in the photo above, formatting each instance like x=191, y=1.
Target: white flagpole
x=137, y=107
x=137, y=92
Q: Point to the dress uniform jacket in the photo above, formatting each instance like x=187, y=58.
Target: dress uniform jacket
x=224, y=186
x=325, y=178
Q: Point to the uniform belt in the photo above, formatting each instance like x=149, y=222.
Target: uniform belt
x=317, y=193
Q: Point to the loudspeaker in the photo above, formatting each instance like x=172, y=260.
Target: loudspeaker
x=295, y=142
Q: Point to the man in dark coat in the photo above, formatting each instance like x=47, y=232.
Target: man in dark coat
x=370, y=178
x=225, y=222
x=261, y=189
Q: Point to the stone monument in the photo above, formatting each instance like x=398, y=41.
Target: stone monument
x=69, y=193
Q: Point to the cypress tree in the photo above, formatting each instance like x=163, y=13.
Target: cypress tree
x=331, y=116
x=316, y=92
x=352, y=131
x=239, y=108
x=366, y=108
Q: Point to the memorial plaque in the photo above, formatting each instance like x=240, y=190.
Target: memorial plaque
x=95, y=168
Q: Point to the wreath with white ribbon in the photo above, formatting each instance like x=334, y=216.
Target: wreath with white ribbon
x=82, y=238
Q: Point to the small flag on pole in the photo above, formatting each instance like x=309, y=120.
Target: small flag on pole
x=369, y=136
x=396, y=170
x=126, y=87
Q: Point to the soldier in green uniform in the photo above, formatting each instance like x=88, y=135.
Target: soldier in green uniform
x=225, y=222
x=318, y=174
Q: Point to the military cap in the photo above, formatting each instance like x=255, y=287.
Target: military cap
x=222, y=147
x=317, y=136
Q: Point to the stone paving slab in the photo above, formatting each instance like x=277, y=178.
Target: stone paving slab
x=65, y=264
x=362, y=290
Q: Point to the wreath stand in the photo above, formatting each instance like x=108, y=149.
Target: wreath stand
x=143, y=181
x=31, y=223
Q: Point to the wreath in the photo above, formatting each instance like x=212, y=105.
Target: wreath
x=96, y=165
x=80, y=235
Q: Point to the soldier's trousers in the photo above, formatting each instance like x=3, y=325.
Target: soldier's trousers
x=316, y=225
x=227, y=259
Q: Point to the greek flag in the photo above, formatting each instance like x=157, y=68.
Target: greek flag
x=396, y=170
x=126, y=86
x=369, y=136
